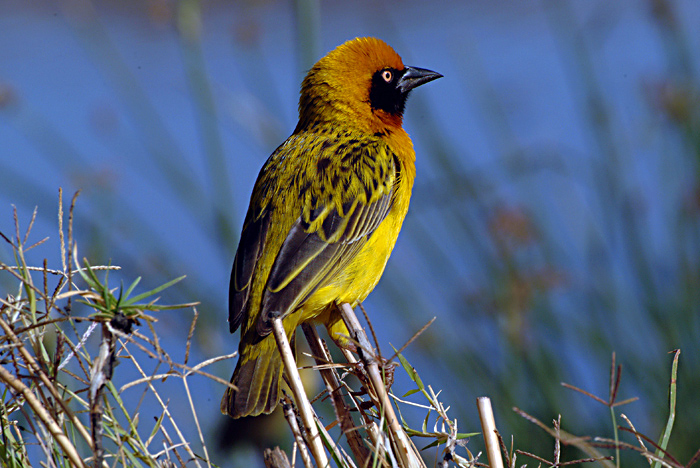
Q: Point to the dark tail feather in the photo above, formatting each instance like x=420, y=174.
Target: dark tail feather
x=258, y=381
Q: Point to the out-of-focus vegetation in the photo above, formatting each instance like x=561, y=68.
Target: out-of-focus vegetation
x=540, y=255
x=68, y=397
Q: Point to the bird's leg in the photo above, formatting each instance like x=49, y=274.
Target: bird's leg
x=406, y=451
x=338, y=331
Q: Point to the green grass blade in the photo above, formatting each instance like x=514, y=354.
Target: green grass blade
x=133, y=300
x=663, y=441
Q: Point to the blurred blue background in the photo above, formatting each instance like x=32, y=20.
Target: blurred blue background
x=555, y=218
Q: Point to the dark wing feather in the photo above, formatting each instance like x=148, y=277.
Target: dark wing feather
x=309, y=257
x=249, y=250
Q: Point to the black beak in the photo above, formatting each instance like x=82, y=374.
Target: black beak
x=413, y=77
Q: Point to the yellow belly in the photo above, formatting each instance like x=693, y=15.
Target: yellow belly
x=360, y=277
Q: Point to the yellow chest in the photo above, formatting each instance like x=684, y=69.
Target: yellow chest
x=362, y=274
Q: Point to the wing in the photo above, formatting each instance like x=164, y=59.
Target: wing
x=309, y=257
x=255, y=229
x=341, y=194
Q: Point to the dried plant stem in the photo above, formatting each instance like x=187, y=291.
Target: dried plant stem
x=582, y=443
x=101, y=373
x=488, y=427
x=36, y=370
x=333, y=386
x=44, y=416
x=405, y=451
x=276, y=458
x=163, y=404
x=292, y=421
x=196, y=420
x=303, y=404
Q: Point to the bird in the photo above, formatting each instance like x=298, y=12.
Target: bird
x=324, y=214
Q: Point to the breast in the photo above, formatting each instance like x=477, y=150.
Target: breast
x=361, y=276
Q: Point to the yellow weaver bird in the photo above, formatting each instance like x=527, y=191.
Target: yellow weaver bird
x=325, y=211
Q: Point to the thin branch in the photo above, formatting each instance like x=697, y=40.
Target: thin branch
x=405, y=451
x=36, y=369
x=305, y=410
x=196, y=421
x=43, y=416
x=291, y=418
x=342, y=412
x=488, y=427
x=410, y=340
x=276, y=458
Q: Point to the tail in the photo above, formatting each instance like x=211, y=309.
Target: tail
x=258, y=377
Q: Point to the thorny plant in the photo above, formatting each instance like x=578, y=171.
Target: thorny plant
x=444, y=430
x=58, y=393
x=373, y=440
x=657, y=456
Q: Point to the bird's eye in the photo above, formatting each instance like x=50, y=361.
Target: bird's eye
x=387, y=76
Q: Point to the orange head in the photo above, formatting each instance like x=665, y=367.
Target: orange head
x=361, y=84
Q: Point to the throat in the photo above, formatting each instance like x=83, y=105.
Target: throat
x=388, y=121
